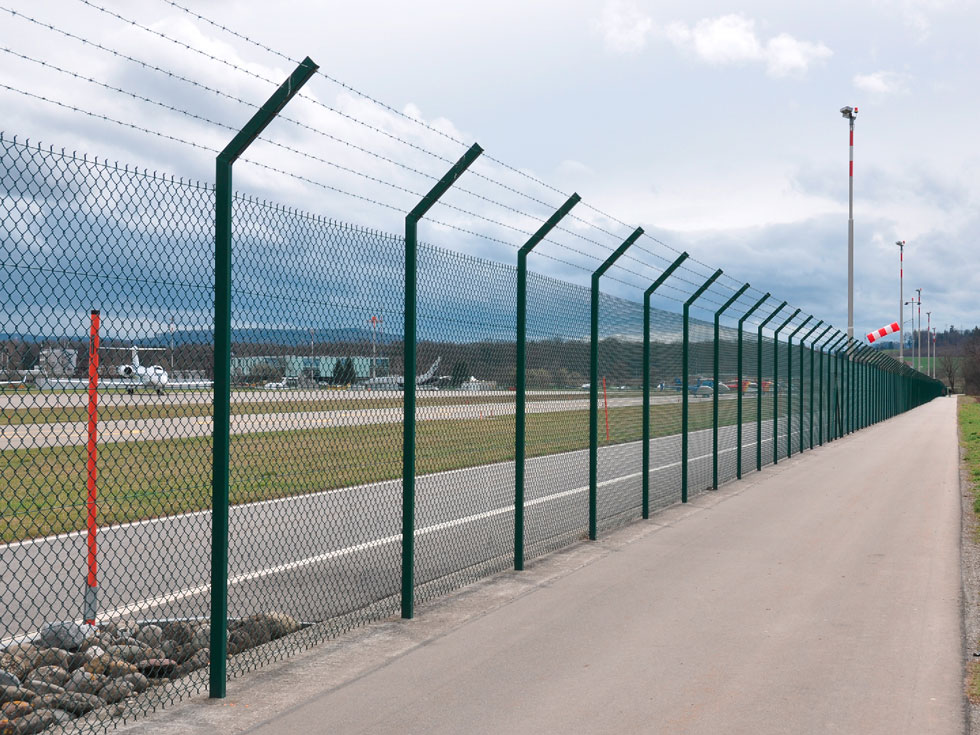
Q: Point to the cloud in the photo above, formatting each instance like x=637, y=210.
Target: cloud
x=732, y=39
x=624, y=28
x=787, y=56
x=724, y=40
x=882, y=83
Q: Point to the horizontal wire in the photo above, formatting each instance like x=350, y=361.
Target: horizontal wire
x=376, y=129
x=171, y=108
x=253, y=106
x=417, y=121
x=226, y=63
x=268, y=167
x=353, y=119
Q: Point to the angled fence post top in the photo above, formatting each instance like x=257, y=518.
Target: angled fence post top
x=704, y=287
x=771, y=316
x=813, y=329
x=665, y=275
x=608, y=263
x=267, y=113
x=803, y=324
x=751, y=311
x=732, y=300
x=550, y=224
x=788, y=320
x=445, y=183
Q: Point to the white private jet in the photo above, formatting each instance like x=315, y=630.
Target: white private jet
x=137, y=376
x=397, y=382
x=133, y=376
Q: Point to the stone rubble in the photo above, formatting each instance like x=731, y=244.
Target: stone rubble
x=71, y=669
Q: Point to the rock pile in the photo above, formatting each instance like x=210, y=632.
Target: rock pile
x=71, y=669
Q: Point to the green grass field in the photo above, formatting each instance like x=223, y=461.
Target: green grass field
x=164, y=409
x=42, y=491
x=969, y=415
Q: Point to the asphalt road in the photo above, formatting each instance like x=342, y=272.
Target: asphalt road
x=324, y=554
x=822, y=596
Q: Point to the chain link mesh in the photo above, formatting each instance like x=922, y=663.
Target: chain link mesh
x=106, y=501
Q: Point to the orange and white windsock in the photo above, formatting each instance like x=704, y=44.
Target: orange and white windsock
x=878, y=333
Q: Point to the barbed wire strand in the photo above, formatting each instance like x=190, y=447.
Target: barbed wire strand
x=352, y=89
x=372, y=99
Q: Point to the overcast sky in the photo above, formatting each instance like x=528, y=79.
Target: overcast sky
x=713, y=125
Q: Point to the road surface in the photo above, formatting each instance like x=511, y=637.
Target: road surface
x=328, y=553
x=822, y=596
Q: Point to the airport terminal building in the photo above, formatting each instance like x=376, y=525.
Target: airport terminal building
x=294, y=367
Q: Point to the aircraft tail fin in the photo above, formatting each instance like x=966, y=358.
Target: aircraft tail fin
x=428, y=374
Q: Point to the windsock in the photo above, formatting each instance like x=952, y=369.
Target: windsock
x=893, y=327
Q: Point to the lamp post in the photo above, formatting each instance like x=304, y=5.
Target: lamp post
x=849, y=113
x=901, y=300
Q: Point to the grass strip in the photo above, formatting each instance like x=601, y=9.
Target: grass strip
x=42, y=414
x=42, y=491
x=969, y=416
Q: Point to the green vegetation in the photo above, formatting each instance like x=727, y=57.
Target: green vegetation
x=42, y=491
x=969, y=414
x=42, y=414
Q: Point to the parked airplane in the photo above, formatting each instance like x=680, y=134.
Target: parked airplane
x=426, y=380
x=133, y=376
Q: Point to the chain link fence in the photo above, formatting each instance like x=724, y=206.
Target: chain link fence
x=108, y=359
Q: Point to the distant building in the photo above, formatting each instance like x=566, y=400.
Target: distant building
x=57, y=362
x=292, y=367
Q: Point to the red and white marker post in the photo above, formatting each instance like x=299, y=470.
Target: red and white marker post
x=91, y=604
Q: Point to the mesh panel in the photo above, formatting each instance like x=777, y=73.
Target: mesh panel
x=107, y=453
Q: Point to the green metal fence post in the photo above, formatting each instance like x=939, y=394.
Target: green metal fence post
x=789, y=388
x=521, y=387
x=813, y=349
x=775, y=389
x=594, y=384
x=646, y=377
x=803, y=340
x=223, y=194
x=758, y=407
x=411, y=372
x=833, y=366
x=844, y=408
x=685, y=388
x=714, y=392
x=741, y=389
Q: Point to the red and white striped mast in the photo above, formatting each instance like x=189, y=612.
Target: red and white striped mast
x=901, y=300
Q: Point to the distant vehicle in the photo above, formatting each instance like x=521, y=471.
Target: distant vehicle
x=426, y=381
x=733, y=385
x=281, y=385
x=701, y=388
